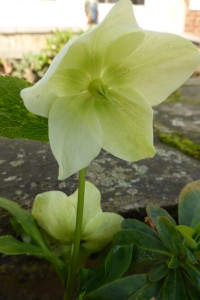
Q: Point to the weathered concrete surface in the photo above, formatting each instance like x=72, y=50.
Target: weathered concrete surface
x=182, y=114
x=28, y=168
x=191, y=89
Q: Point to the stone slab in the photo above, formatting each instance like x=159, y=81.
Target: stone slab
x=182, y=113
x=28, y=168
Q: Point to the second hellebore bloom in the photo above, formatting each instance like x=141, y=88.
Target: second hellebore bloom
x=99, y=89
x=55, y=212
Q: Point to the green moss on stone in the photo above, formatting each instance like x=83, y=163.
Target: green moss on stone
x=182, y=143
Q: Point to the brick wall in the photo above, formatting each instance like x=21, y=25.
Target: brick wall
x=192, y=21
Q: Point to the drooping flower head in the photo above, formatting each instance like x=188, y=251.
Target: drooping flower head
x=99, y=89
x=55, y=212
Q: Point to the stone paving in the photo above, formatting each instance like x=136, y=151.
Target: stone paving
x=183, y=113
x=28, y=168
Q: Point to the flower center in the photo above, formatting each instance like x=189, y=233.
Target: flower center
x=97, y=88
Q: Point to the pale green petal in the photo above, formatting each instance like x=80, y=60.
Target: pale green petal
x=92, y=202
x=119, y=21
x=158, y=67
x=121, y=48
x=82, y=59
x=100, y=230
x=81, y=56
x=55, y=214
x=70, y=82
x=126, y=120
x=39, y=98
x=74, y=133
x=88, y=52
x=118, y=35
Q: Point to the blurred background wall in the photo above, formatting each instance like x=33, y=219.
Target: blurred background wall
x=25, y=24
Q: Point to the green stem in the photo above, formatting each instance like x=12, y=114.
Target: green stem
x=68, y=294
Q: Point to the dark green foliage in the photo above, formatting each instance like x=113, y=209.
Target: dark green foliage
x=141, y=238
x=192, y=289
x=158, y=271
x=11, y=246
x=154, y=211
x=23, y=221
x=167, y=256
x=32, y=242
x=128, y=288
x=173, y=287
x=169, y=235
x=112, y=268
x=16, y=121
x=91, y=279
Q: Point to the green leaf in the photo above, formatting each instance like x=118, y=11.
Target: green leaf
x=116, y=264
x=169, y=235
x=187, y=232
x=158, y=272
x=90, y=279
x=118, y=261
x=189, y=204
x=191, y=256
x=192, y=289
x=19, y=230
x=154, y=212
x=143, y=240
x=196, y=234
x=193, y=272
x=16, y=121
x=149, y=291
x=174, y=263
x=144, y=257
x=11, y=246
x=173, y=287
x=147, y=249
x=135, y=224
x=25, y=219
x=128, y=288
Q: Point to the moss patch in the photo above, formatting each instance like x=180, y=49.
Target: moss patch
x=182, y=143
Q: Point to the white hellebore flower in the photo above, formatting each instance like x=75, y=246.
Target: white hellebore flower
x=55, y=212
x=99, y=89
